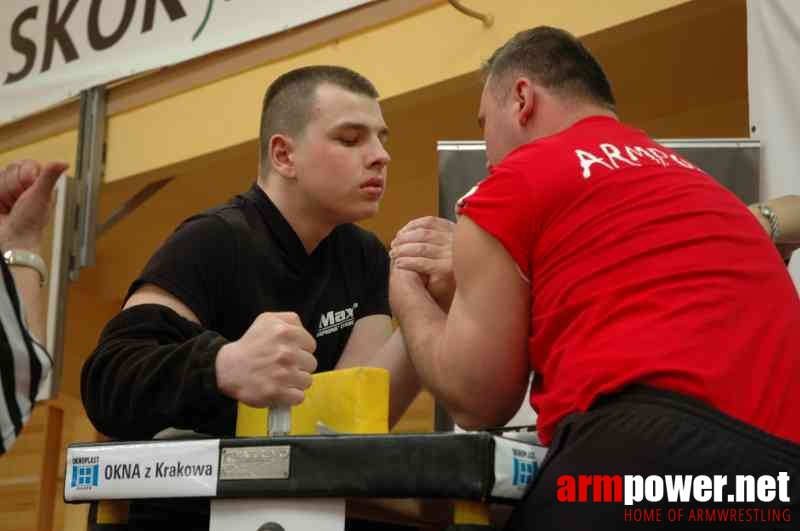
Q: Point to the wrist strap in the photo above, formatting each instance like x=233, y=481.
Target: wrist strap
x=22, y=258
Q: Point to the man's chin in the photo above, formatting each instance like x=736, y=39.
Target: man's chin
x=363, y=213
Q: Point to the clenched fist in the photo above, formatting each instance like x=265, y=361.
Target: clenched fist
x=25, y=195
x=271, y=364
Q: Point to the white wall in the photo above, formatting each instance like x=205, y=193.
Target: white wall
x=773, y=48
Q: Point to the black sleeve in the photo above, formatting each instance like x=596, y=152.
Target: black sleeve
x=153, y=369
x=376, y=290
x=196, y=265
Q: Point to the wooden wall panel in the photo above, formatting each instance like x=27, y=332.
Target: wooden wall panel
x=21, y=474
x=32, y=473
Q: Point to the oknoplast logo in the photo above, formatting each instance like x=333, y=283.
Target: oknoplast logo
x=85, y=473
x=524, y=470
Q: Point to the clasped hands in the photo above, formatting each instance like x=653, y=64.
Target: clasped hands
x=422, y=264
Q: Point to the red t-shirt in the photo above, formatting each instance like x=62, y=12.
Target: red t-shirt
x=642, y=269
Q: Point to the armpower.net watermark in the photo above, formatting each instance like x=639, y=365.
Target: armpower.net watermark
x=685, y=489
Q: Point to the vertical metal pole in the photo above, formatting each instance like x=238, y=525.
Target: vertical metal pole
x=75, y=222
x=90, y=170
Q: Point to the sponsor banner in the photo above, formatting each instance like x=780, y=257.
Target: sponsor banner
x=142, y=470
x=515, y=465
x=50, y=50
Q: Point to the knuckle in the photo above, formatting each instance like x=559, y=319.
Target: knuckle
x=296, y=398
x=281, y=330
x=284, y=355
x=307, y=381
x=266, y=393
x=308, y=346
x=280, y=376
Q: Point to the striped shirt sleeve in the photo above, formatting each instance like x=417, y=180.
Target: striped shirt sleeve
x=24, y=363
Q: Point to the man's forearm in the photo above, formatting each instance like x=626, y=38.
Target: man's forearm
x=787, y=208
x=423, y=322
x=424, y=325
x=787, y=216
x=403, y=381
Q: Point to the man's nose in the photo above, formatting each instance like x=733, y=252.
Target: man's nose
x=379, y=154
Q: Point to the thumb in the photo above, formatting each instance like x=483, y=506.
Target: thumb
x=48, y=176
x=39, y=194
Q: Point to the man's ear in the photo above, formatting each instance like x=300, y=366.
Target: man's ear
x=524, y=99
x=281, y=156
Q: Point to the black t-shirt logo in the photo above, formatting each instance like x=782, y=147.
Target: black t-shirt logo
x=335, y=320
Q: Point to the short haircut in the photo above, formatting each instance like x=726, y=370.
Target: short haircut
x=289, y=99
x=555, y=59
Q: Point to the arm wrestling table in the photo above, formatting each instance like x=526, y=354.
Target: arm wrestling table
x=300, y=482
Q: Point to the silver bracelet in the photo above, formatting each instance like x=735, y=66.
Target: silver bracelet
x=772, y=221
x=19, y=257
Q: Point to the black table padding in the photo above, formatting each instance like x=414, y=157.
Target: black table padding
x=437, y=465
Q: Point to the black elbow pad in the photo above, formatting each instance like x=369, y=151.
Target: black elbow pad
x=153, y=369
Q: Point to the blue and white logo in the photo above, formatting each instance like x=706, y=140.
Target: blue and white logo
x=85, y=473
x=524, y=470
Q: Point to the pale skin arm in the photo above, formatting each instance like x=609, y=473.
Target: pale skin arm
x=427, y=244
x=474, y=359
x=787, y=209
x=373, y=344
x=151, y=294
x=26, y=190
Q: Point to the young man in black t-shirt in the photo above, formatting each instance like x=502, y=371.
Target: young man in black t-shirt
x=245, y=301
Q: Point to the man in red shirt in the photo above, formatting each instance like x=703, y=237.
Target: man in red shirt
x=657, y=316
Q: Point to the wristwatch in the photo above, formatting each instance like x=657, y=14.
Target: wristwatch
x=772, y=221
x=19, y=257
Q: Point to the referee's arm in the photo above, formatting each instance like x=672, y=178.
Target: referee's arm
x=25, y=198
x=24, y=363
x=784, y=213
